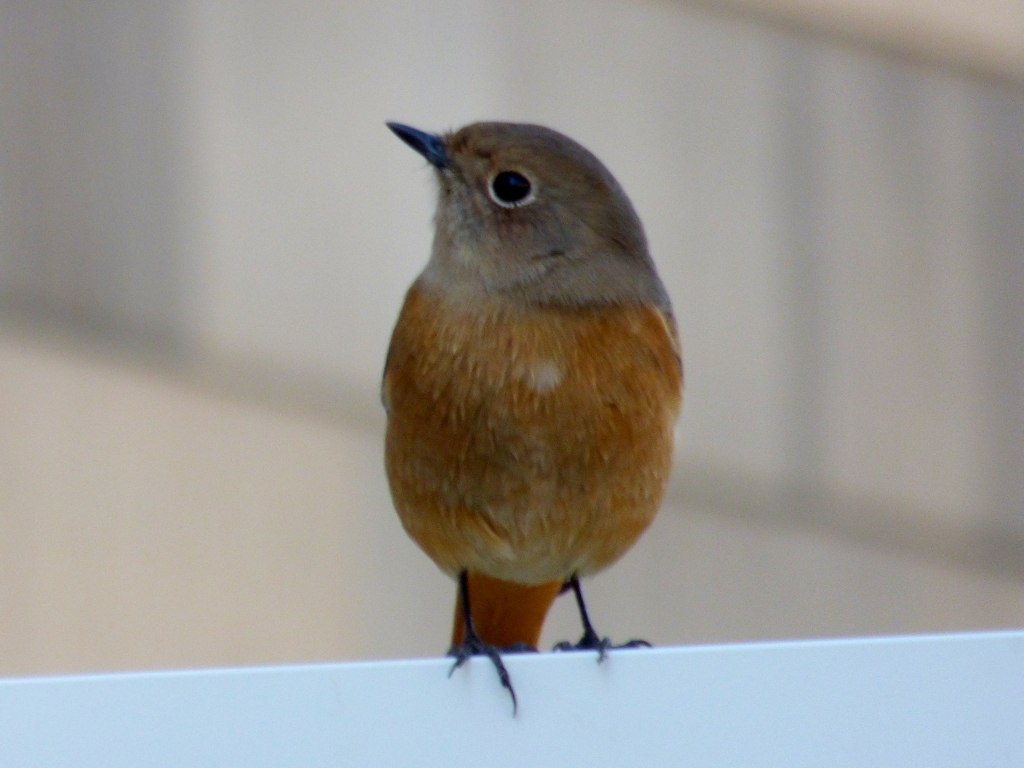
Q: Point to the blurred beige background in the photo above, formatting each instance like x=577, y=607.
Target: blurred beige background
x=206, y=232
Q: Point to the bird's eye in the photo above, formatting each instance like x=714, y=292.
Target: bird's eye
x=511, y=189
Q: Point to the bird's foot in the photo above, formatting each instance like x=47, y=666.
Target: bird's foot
x=474, y=646
x=592, y=642
x=519, y=648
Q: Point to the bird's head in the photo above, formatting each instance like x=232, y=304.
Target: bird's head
x=527, y=213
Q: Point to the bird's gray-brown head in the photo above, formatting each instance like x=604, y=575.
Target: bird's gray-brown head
x=527, y=213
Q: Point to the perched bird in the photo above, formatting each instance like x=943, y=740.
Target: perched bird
x=532, y=383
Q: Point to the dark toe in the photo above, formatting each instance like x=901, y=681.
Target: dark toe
x=600, y=644
x=476, y=647
x=634, y=644
x=520, y=648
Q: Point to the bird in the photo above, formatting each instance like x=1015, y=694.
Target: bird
x=532, y=383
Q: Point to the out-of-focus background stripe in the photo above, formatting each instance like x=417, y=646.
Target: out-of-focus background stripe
x=206, y=232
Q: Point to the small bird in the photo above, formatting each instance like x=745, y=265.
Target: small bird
x=532, y=383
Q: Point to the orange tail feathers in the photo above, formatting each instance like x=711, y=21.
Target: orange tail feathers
x=505, y=612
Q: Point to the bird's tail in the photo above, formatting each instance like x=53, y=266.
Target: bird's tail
x=505, y=612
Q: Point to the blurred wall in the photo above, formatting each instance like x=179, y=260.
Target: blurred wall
x=981, y=35
x=206, y=232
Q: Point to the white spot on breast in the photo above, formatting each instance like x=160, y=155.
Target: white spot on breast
x=541, y=376
x=544, y=376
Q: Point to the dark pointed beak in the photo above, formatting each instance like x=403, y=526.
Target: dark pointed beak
x=427, y=144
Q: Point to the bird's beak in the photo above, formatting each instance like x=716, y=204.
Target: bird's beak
x=427, y=144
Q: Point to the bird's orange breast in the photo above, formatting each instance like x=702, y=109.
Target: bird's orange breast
x=528, y=443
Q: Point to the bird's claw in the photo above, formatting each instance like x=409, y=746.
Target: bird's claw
x=474, y=646
x=591, y=642
x=519, y=648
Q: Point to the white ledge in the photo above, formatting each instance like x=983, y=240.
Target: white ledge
x=950, y=700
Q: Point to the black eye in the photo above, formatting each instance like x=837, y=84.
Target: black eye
x=510, y=188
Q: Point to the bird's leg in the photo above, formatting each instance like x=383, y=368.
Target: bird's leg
x=472, y=645
x=591, y=641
